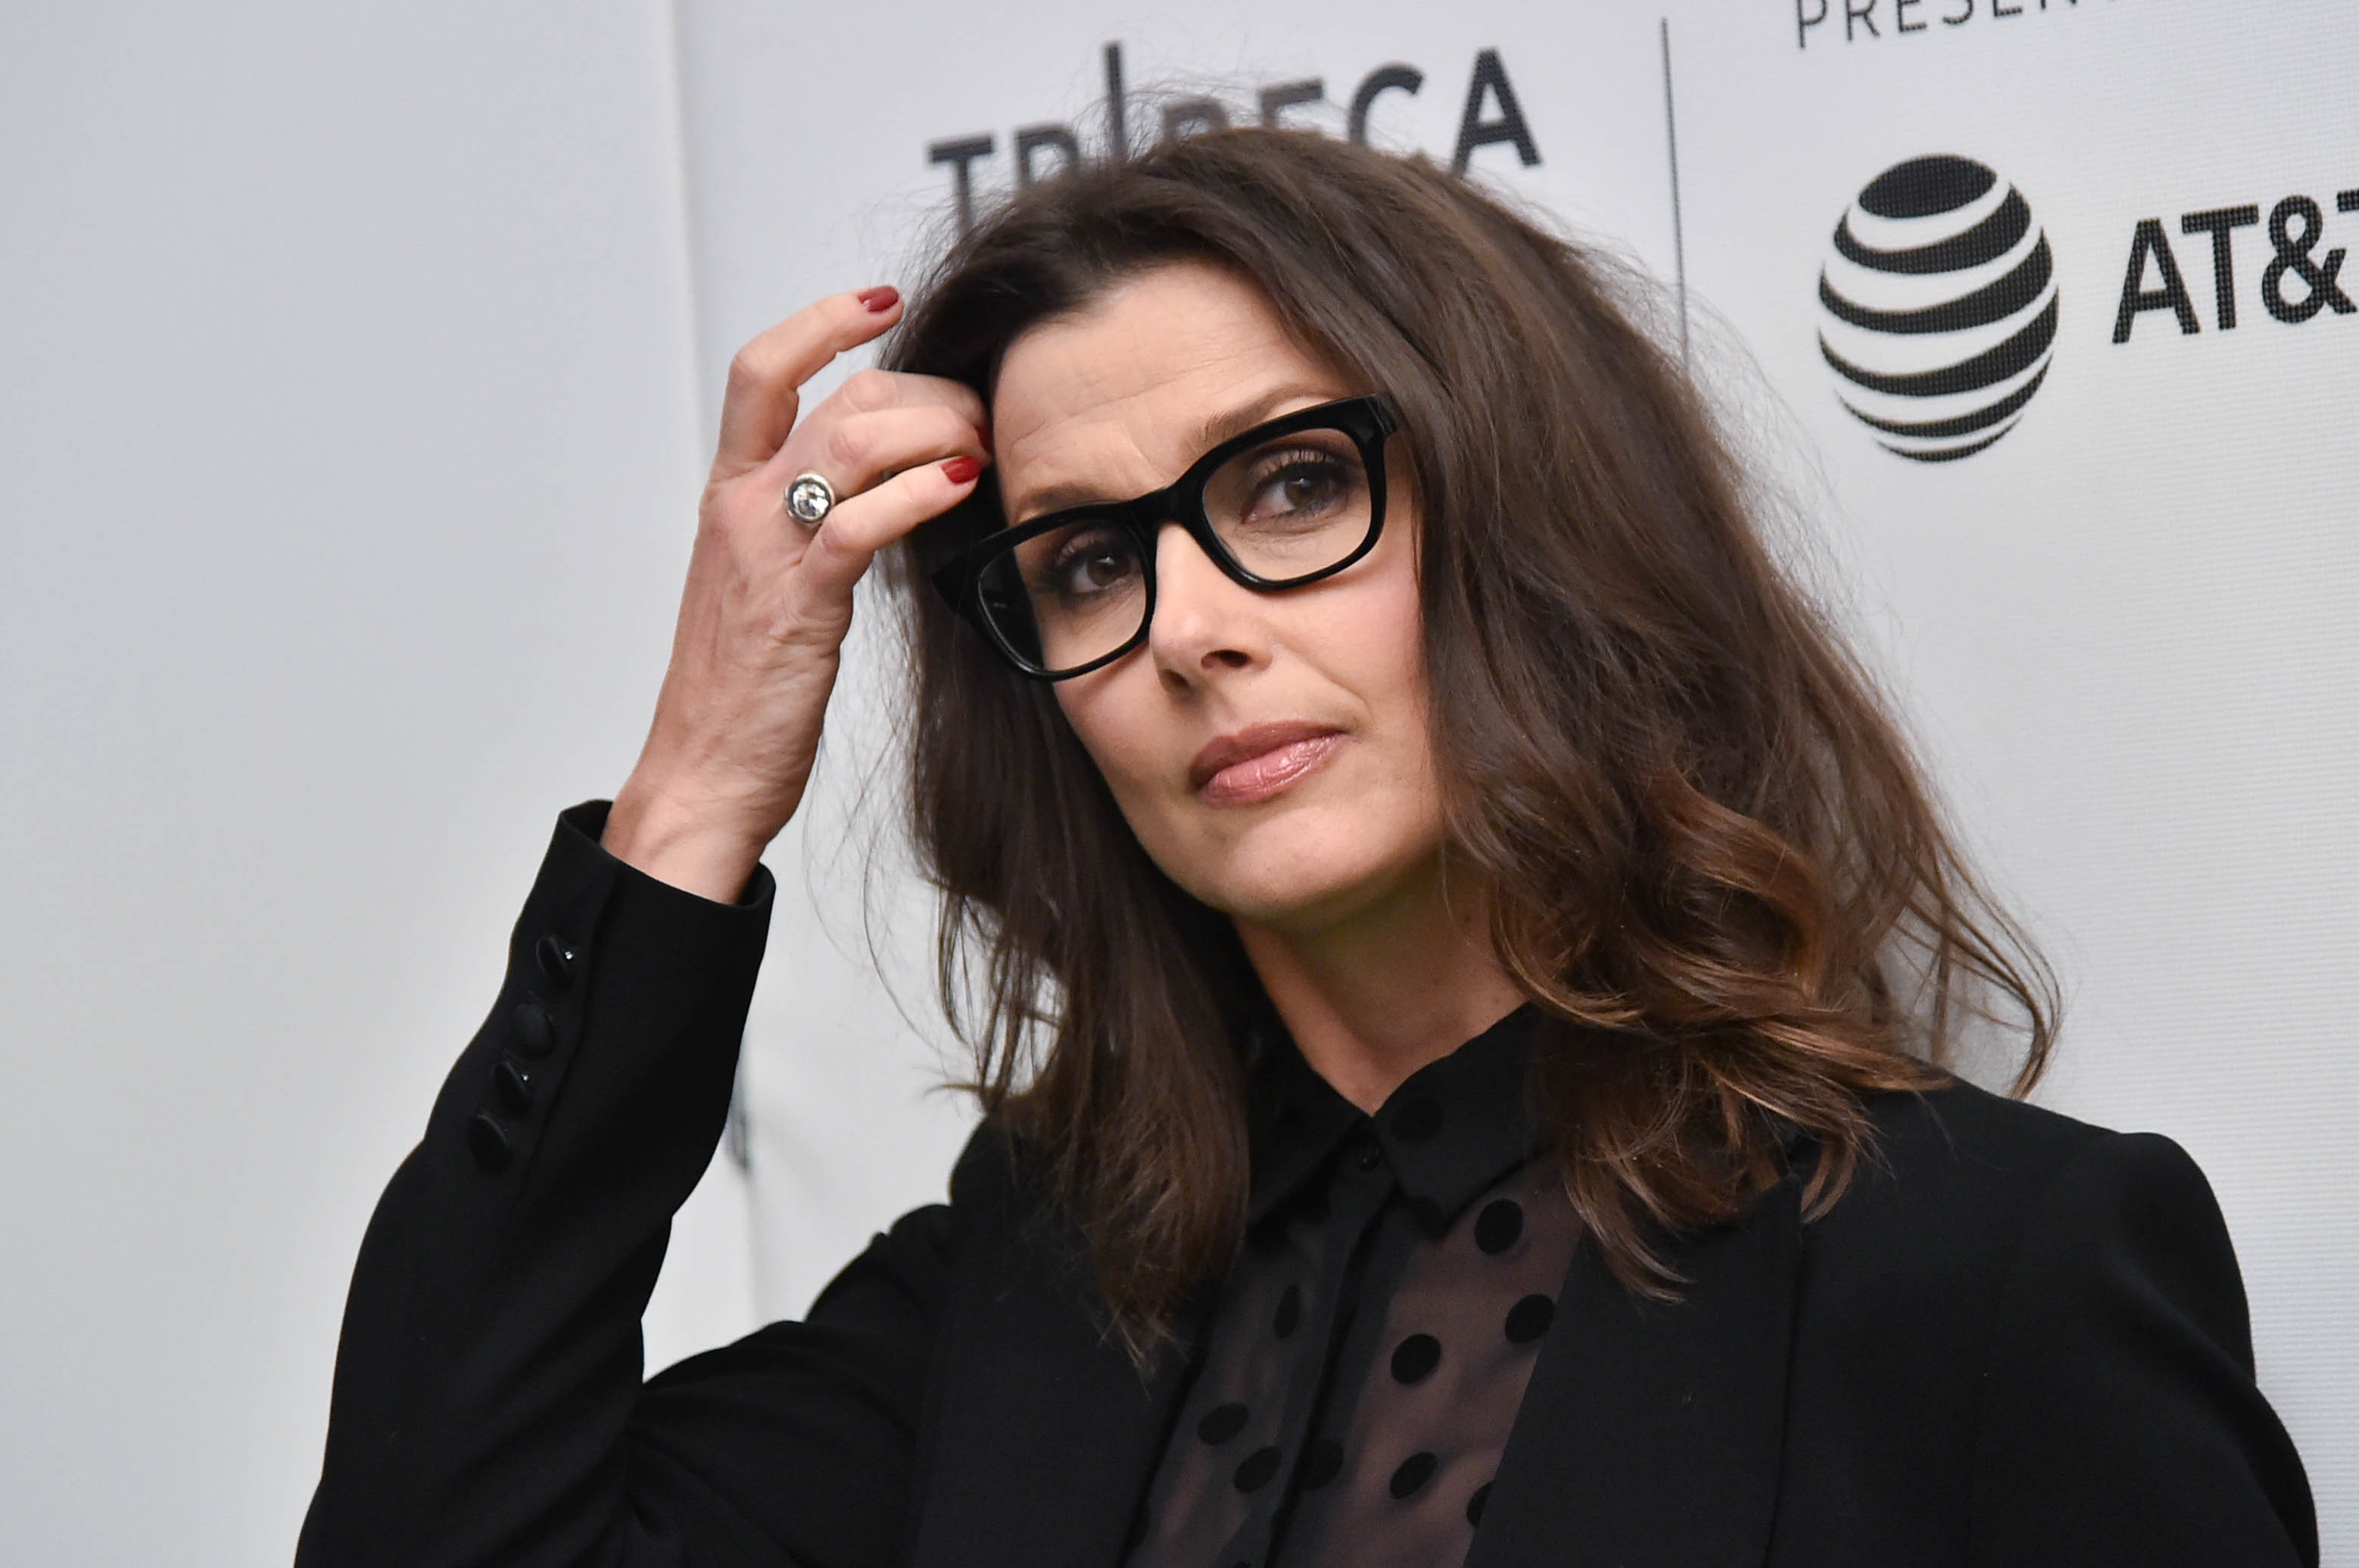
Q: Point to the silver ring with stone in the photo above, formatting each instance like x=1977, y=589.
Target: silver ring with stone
x=810, y=499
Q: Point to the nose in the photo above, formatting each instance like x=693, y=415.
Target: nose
x=1203, y=622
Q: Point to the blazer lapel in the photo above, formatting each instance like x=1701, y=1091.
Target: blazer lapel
x=1650, y=1434
x=1045, y=1432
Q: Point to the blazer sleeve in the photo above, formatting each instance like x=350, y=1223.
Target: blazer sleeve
x=2119, y=1418
x=488, y=1404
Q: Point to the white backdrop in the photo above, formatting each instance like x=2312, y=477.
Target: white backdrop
x=347, y=471
x=2124, y=631
x=359, y=371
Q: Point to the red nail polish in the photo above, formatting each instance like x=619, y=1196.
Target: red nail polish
x=959, y=470
x=879, y=299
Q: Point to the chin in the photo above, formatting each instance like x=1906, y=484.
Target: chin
x=1300, y=875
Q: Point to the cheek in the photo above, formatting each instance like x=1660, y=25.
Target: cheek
x=1398, y=627
x=1122, y=724
x=1388, y=642
x=1375, y=645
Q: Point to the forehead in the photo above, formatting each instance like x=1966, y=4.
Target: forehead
x=1117, y=399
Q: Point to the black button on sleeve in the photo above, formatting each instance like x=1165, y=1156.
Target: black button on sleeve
x=536, y=1030
x=556, y=962
x=488, y=1142
x=513, y=1085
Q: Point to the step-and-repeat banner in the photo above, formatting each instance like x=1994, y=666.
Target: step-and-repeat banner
x=2040, y=310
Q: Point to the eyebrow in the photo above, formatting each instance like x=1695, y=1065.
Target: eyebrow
x=1210, y=433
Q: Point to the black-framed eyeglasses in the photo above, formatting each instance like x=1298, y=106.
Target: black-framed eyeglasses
x=1287, y=502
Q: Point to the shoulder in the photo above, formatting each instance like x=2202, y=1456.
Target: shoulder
x=1962, y=1152
x=1974, y=1131
x=2070, y=1295
x=1965, y=1191
x=2052, y=1310
x=2072, y=1210
x=985, y=1171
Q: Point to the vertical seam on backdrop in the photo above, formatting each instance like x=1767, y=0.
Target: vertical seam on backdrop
x=676, y=102
x=737, y=1138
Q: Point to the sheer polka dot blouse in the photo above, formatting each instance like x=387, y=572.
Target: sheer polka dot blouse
x=1358, y=1376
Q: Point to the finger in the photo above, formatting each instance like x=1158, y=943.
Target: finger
x=857, y=528
x=852, y=452
x=908, y=388
x=758, y=407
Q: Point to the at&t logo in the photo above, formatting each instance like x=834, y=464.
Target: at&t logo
x=1940, y=308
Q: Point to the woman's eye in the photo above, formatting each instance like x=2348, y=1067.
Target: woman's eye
x=1092, y=563
x=1299, y=487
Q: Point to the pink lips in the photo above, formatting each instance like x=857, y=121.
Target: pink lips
x=1256, y=763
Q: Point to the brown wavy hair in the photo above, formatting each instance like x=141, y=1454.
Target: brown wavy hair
x=1710, y=857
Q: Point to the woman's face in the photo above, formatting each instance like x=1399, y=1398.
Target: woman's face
x=1306, y=707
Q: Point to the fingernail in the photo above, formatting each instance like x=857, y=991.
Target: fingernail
x=959, y=470
x=879, y=299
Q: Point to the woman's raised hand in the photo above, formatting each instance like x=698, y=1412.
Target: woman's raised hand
x=763, y=620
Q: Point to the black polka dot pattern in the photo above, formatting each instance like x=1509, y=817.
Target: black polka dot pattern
x=1415, y=1358
x=1321, y=1462
x=1411, y=1476
x=1499, y=1225
x=1370, y=1345
x=1259, y=1470
x=1221, y=1424
x=1530, y=1318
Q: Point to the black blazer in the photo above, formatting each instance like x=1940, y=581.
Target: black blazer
x=2020, y=1342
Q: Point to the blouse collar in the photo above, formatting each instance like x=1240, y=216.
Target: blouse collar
x=1452, y=1129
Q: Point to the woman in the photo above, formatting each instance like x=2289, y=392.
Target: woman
x=1458, y=960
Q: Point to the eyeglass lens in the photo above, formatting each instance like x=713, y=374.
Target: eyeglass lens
x=1285, y=510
